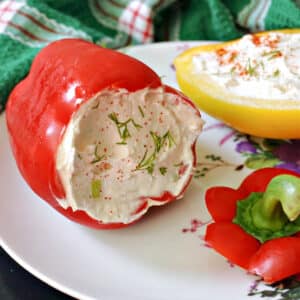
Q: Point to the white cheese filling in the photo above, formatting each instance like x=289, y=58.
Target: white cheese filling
x=120, y=149
x=265, y=67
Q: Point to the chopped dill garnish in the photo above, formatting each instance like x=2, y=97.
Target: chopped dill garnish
x=150, y=168
x=147, y=163
x=170, y=139
x=141, y=111
x=232, y=70
x=272, y=54
x=251, y=70
x=163, y=170
x=96, y=188
x=179, y=164
x=276, y=73
x=97, y=158
x=159, y=141
x=123, y=127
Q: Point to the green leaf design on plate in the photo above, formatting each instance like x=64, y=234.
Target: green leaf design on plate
x=262, y=160
x=288, y=289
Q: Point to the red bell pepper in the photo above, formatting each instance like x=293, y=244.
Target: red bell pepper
x=257, y=226
x=63, y=76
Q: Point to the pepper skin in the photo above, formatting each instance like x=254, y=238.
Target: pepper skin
x=64, y=75
x=267, y=118
x=273, y=260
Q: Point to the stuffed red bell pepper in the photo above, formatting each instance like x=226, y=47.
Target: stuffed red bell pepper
x=97, y=135
x=257, y=226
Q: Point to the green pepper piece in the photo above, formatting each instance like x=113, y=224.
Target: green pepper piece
x=274, y=213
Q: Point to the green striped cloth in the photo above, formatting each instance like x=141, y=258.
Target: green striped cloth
x=28, y=25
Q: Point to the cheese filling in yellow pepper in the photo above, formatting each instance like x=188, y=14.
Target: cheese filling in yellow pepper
x=257, y=66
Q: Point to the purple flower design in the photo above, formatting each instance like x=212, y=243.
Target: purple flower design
x=289, y=166
x=245, y=147
x=289, y=154
x=262, y=153
x=288, y=151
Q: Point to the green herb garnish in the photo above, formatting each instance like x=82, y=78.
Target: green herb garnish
x=276, y=73
x=179, y=164
x=159, y=141
x=170, y=139
x=251, y=70
x=97, y=158
x=96, y=188
x=272, y=54
x=147, y=163
x=232, y=70
x=123, y=127
x=163, y=170
x=141, y=111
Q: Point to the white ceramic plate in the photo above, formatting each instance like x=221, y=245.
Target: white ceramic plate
x=161, y=257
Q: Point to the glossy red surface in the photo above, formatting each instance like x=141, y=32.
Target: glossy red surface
x=277, y=259
x=64, y=75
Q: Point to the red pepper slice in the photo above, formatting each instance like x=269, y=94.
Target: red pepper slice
x=273, y=260
x=277, y=259
x=63, y=76
x=221, y=202
x=239, y=249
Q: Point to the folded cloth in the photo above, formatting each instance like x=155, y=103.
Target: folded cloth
x=28, y=25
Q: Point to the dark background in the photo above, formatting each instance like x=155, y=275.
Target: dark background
x=18, y=284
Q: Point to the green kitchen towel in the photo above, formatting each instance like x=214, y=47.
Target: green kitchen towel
x=28, y=25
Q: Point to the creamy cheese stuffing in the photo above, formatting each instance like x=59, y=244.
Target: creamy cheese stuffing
x=265, y=66
x=120, y=149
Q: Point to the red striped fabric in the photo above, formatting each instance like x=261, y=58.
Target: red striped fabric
x=136, y=20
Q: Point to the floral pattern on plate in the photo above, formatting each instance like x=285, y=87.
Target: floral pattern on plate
x=255, y=153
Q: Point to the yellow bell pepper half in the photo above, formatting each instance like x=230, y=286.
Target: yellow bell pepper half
x=260, y=117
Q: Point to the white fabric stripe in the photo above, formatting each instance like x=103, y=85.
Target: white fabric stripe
x=64, y=30
x=136, y=21
x=261, y=21
x=26, y=24
x=256, y=14
x=244, y=13
x=35, y=44
x=7, y=16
